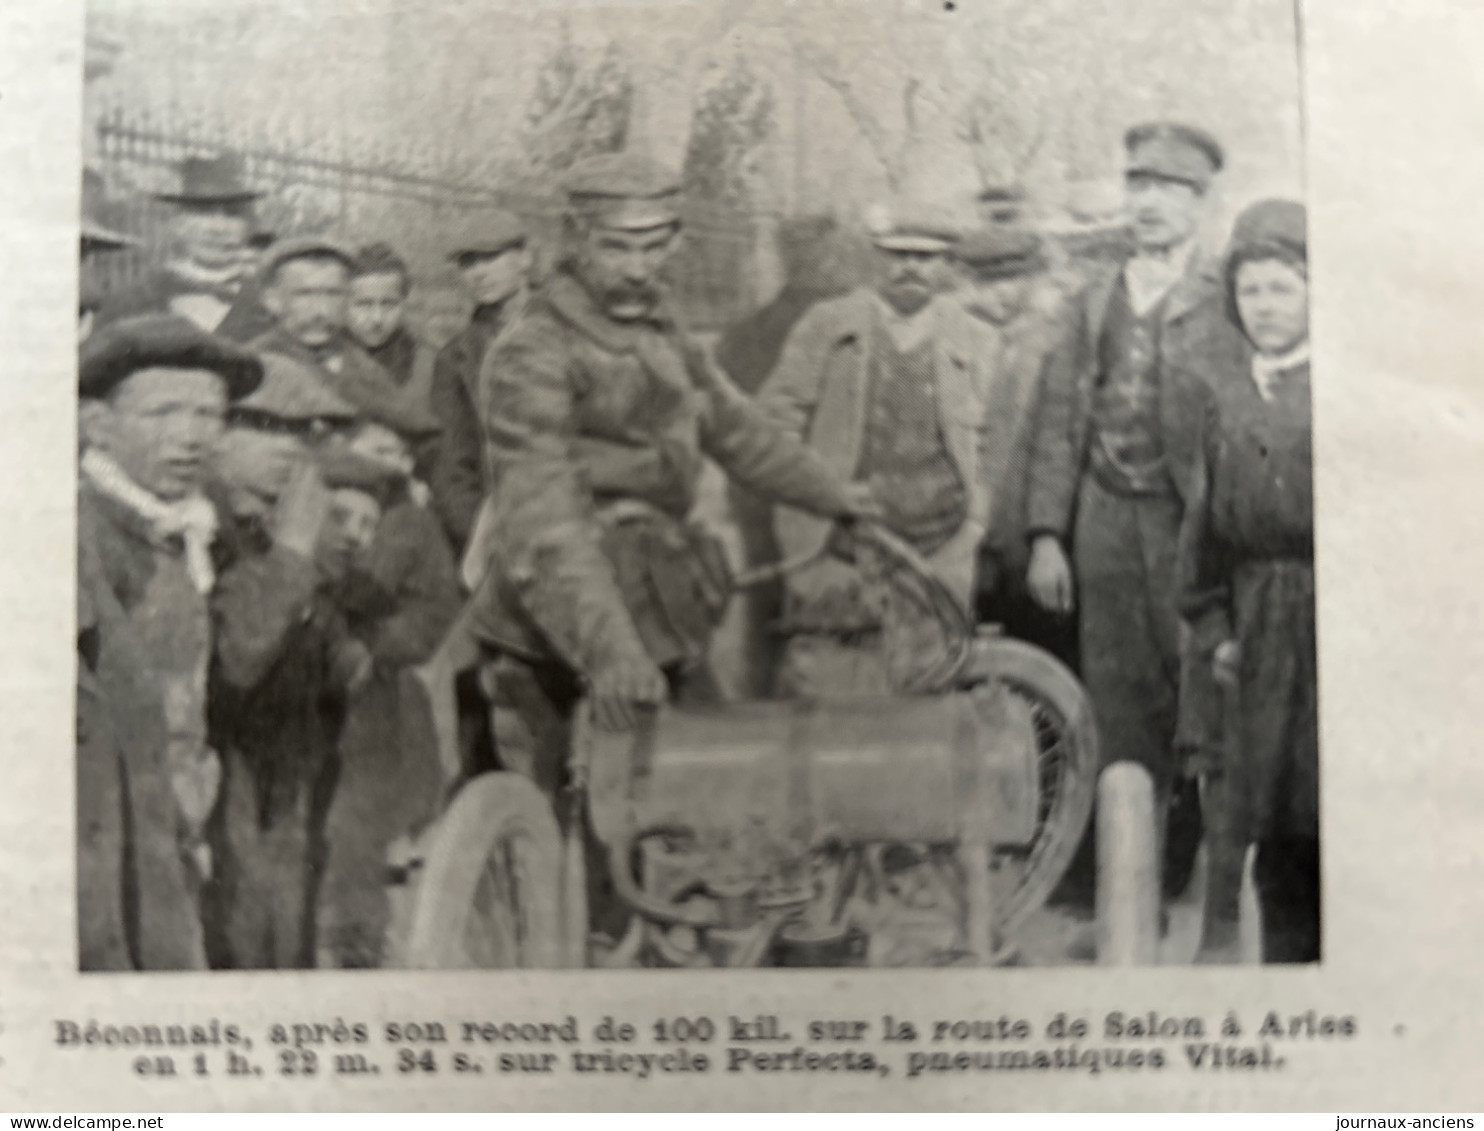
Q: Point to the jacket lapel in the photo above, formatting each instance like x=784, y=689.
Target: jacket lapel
x=1192, y=289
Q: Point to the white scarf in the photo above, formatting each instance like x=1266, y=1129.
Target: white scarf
x=1266, y=367
x=192, y=519
x=1150, y=277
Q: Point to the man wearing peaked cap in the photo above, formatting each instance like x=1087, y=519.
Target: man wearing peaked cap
x=494, y=264
x=157, y=389
x=599, y=411
x=204, y=275
x=888, y=384
x=1114, y=444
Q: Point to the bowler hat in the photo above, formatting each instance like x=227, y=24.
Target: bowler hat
x=625, y=190
x=295, y=392
x=162, y=341
x=492, y=233
x=211, y=180
x=304, y=247
x=1001, y=252
x=1173, y=151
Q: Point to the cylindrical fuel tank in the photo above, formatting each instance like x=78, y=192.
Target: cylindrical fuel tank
x=939, y=769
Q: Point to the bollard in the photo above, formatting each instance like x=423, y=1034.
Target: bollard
x=1128, y=868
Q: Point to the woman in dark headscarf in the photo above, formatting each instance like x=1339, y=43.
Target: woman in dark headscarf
x=1247, y=587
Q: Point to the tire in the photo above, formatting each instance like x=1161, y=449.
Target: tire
x=489, y=892
x=1067, y=763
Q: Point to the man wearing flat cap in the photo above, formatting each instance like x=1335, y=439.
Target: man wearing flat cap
x=297, y=512
x=889, y=385
x=600, y=410
x=156, y=390
x=203, y=278
x=1009, y=286
x=1112, y=455
x=494, y=264
x=306, y=287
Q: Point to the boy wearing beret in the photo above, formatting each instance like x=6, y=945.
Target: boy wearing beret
x=155, y=390
x=400, y=600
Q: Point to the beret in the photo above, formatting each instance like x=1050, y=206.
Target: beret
x=300, y=247
x=490, y=234
x=294, y=391
x=1272, y=222
x=626, y=190
x=911, y=226
x=162, y=341
x=344, y=469
x=393, y=408
x=1002, y=251
x=1173, y=151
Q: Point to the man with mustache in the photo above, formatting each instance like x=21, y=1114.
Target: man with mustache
x=307, y=290
x=890, y=385
x=1112, y=454
x=203, y=280
x=600, y=410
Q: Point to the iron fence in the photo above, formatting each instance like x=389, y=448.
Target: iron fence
x=418, y=210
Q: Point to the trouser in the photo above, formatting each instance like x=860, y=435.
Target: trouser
x=1124, y=551
x=267, y=876
x=1286, y=875
x=389, y=784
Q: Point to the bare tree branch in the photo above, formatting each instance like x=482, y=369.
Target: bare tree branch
x=827, y=68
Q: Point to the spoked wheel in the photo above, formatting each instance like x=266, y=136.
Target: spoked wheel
x=1067, y=766
x=488, y=896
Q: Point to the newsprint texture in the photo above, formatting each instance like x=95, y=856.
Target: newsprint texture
x=744, y=553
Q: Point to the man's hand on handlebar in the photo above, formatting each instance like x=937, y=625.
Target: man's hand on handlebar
x=621, y=690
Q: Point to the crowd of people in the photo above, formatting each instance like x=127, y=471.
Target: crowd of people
x=297, y=522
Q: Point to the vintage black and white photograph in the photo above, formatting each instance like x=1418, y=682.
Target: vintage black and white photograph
x=694, y=485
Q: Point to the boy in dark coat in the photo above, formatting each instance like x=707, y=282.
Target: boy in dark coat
x=1247, y=588
x=294, y=520
x=400, y=602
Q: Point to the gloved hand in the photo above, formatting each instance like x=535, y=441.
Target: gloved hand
x=620, y=690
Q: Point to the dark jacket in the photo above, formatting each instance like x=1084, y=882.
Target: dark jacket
x=457, y=476
x=246, y=318
x=346, y=367
x=1246, y=573
x=145, y=642
x=587, y=419
x=1194, y=328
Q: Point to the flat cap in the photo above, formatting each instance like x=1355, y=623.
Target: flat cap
x=293, y=391
x=625, y=190
x=345, y=469
x=911, y=226
x=304, y=247
x=1001, y=252
x=489, y=234
x=162, y=341
x=1173, y=151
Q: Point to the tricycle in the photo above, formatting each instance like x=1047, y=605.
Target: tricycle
x=919, y=828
